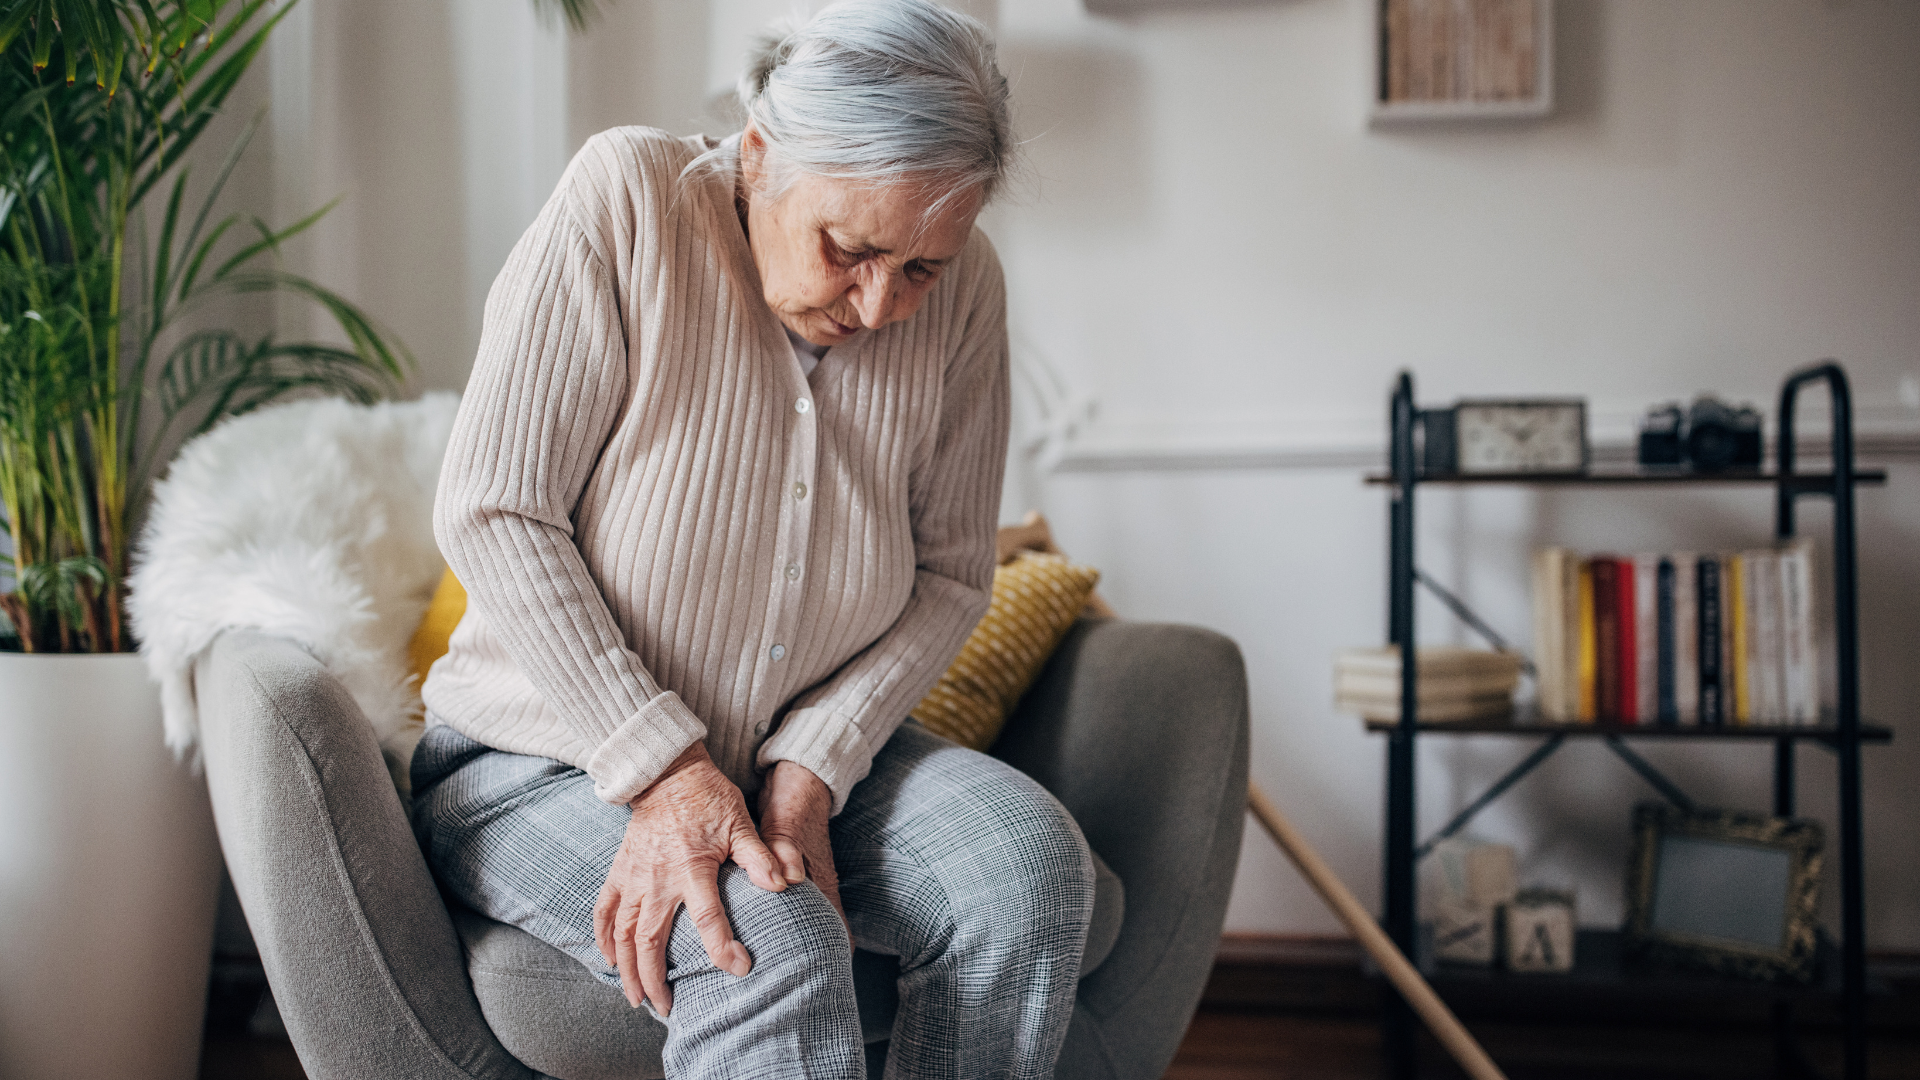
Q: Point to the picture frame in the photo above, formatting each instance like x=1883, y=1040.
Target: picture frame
x=1452, y=53
x=1724, y=891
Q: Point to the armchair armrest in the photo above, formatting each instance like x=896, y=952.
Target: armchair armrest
x=1140, y=730
x=357, y=944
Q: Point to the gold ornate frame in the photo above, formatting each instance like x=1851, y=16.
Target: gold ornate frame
x=1802, y=840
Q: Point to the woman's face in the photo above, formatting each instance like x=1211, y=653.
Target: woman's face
x=839, y=256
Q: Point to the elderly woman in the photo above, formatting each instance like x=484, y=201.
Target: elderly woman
x=723, y=492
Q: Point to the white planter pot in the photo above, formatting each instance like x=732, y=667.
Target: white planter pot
x=109, y=875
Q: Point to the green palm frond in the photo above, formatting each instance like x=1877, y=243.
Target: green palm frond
x=63, y=587
x=578, y=13
x=102, y=105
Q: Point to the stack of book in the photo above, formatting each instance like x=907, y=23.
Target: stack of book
x=1455, y=684
x=1679, y=639
x=1460, y=50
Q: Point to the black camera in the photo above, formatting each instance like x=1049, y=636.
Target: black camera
x=1712, y=436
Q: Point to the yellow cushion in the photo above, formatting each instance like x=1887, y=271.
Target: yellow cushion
x=443, y=614
x=1036, y=598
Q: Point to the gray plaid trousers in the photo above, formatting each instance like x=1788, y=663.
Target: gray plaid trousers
x=957, y=863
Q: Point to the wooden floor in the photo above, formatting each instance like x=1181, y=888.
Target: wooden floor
x=1316, y=1018
x=1238, y=1045
x=239, y=1057
x=1249, y=1046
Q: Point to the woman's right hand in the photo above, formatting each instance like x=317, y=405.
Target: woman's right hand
x=688, y=823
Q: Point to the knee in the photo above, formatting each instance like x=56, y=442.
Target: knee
x=794, y=937
x=793, y=1014
x=1036, y=864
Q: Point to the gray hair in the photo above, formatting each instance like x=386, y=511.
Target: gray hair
x=878, y=91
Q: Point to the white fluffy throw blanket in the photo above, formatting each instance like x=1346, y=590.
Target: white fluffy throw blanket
x=313, y=521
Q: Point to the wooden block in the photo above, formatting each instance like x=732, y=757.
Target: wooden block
x=1492, y=878
x=1465, y=934
x=1539, y=931
x=1474, y=873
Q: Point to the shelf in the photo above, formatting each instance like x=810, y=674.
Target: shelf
x=1601, y=964
x=1524, y=724
x=1642, y=475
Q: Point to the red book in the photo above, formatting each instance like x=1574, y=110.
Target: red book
x=1606, y=638
x=1628, y=653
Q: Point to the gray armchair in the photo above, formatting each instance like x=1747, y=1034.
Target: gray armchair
x=1139, y=729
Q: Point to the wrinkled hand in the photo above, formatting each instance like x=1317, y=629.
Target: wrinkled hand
x=688, y=823
x=794, y=808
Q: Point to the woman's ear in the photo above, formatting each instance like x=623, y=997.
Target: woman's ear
x=753, y=160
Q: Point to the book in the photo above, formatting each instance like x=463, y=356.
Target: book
x=1764, y=654
x=1431, y=688
x=1676, y=639
x=1606, y=637
x=1453, y=683
x=1646, y=638
x=1433, y=661
x=1726, y=638
x=1735, y=603
x=1451, y=711
x=1550, y=634
x=1798, y=662
x=1588, y=664
x=1626, y=624
x=1777, y=633
x=1686, y=638
x=1666, y=709
x=1712, y=707
x=1570, y=569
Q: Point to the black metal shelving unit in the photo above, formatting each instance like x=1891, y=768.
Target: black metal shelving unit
x=1842, y=731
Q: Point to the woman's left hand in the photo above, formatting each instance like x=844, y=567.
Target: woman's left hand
x=795, y=806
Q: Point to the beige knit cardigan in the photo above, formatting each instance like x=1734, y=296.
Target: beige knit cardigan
x=669, y=533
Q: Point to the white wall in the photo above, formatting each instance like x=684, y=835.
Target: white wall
x=1222, y=268
x=1214, y=272
x=440, y=126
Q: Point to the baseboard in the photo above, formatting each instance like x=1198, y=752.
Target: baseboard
x=1310, y=974
x=1291, y=973
x=1315, y=950
x=1336, y=950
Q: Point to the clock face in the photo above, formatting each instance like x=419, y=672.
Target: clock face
x=1521, y=436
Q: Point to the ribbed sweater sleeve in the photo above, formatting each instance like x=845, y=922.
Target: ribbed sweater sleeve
x=835, y=728
x=548, y=386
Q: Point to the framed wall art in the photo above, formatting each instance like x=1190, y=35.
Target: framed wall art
x=1441, y=60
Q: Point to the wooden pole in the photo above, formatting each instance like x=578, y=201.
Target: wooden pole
x=1405, y=977
x=1033, y=534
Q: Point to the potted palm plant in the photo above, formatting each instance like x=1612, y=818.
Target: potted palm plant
x=110, y=256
